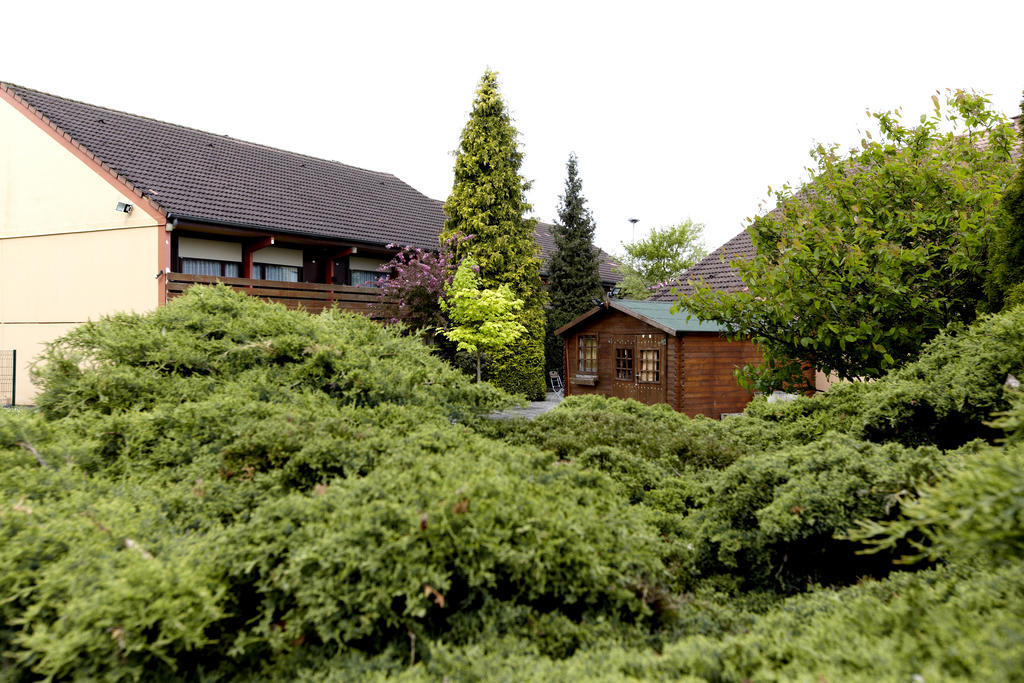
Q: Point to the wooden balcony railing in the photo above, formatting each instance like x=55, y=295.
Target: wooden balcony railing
x=309, y=296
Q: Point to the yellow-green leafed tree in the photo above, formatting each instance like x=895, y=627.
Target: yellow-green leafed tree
x=481, y=319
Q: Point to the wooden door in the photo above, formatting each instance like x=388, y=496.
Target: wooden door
x=623, y=366
x=638, y=367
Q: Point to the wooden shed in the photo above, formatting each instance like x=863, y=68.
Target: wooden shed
x=641, y=350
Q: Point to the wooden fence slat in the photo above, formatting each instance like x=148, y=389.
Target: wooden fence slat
x=311, y=297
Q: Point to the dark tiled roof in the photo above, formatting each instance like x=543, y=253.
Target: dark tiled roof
x=714, y=270
x=547, y=249
x=217, y=179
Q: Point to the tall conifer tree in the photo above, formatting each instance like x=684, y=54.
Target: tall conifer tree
x=488, y=202
x=573, y=277
x=1005, y=280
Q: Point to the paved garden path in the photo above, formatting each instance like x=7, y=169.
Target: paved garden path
x=531, y=410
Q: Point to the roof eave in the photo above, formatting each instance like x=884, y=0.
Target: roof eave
x=90, y=159
x=579, y=319
x=639, y=316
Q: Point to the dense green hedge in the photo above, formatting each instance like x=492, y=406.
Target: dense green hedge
x=519, y=368
x=225, y=489
x=945, y=398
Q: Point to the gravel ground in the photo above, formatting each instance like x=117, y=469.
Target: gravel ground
x=531, y=410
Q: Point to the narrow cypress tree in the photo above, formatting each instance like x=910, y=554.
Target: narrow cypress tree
x=488, y=202
x=1005, y=281
x=573, y=277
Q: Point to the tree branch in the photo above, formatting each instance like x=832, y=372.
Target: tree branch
x=28, y=447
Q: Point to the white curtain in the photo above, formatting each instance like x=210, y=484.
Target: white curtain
x=280, y=273
x=198, y=266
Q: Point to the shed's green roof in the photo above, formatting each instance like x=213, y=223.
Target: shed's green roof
x=659, y=312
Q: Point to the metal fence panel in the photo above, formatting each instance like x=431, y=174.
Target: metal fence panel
x=8, y=364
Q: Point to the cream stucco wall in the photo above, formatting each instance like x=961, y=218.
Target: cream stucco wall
x=215, y=250
x=364, y=263
x=66, y=254
x=278, y=256
x=45, y=188
x=77, y=276
x=823, y=382
x=28, y=340
x=50, y=283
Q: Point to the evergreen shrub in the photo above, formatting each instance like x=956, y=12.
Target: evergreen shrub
x=944, y=398
x=282, y=496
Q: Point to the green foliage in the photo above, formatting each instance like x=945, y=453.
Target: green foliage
x=963, y=623
x=181, y=351
x=768, y=520
x=480, y=319
x=1005, y=281
x=278, y=496
x=757, y=520
x=272, y=487
x=943, y=398
x=661, y=257
x=515, y=367
x=573, y=277
x=488, y=206
x=653, y=433
x=427, y=541
x=974, y=515
x=1014, y=296
x=880, y=250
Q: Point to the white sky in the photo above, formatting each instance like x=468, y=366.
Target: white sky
x=675, y=109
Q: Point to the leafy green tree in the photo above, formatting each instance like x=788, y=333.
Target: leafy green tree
x=1006, y=257
x=662, y=256
x=573, y=276
x=482, y=320
x=878, y=252
x=488, y=203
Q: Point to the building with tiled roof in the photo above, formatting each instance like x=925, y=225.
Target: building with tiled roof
x=106, y=211
x=714, y=270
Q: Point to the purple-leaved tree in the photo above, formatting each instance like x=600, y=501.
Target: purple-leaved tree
x=413, y=283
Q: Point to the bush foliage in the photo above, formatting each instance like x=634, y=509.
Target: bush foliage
x=879, y=251
x=225, y=489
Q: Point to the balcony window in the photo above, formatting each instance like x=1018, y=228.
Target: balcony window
x=202, y=266
x=269, y=271
x=365, y=278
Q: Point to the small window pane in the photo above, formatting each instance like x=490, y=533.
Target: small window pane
x=650, y=365
x=267, y=271
x=624, y=364
x=365, y=278
x=588, y=354
x=201, y=266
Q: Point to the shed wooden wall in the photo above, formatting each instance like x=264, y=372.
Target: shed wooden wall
x=709, y=387
x=697, y=366
x=607, y=325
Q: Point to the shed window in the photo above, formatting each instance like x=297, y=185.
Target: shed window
x=588, y=354
x=650, y=365
x=624, y=364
